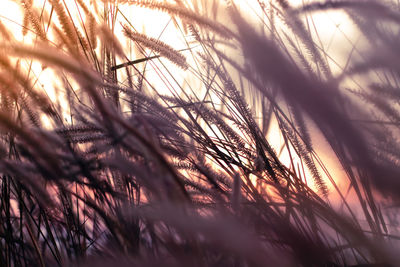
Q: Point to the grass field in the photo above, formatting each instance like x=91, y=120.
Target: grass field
x=199, y=133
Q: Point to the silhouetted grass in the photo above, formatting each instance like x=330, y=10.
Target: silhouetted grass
x=129, y=165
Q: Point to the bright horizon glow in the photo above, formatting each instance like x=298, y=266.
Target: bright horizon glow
x=332, y=29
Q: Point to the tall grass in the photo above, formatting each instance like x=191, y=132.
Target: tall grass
x=131, y=164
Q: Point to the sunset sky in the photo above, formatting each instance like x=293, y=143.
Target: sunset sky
x=333, y=30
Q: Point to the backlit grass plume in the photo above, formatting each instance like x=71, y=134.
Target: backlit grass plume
x=262, y=145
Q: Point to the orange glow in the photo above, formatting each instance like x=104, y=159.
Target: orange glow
x=329, y=28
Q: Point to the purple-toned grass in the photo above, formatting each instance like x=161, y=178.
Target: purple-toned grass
x=148, y=173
